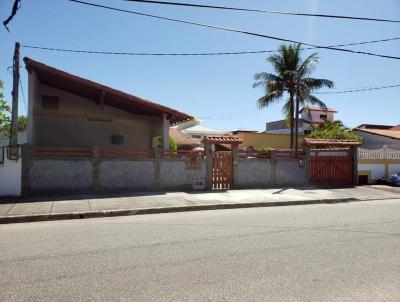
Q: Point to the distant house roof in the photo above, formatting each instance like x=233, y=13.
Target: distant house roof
x=319, y=109
x=382, y=130
x=243, y=130
x=374, y=126
x=202, y=129
x=62, y=80
x=181, y=139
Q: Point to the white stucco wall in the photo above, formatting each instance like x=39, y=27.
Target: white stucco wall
x=377, y=141
x=393, y=169
x=377, y=170
x=10, y=177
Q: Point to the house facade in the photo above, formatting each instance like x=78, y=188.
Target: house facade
x=69, y=111
x=377, y=136
x=311, y=117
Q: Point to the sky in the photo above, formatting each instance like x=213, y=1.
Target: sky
x=217, y=89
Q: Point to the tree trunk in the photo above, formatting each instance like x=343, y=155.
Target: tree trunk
x=291, y=109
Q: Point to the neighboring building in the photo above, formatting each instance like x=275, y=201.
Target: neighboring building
x=69, y=111
x=312, y=116
x=183, y=141
x=377, y=136
x=255, y=140
x=193, y=129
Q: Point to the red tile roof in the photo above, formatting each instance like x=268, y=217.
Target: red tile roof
x=222, y=139
x=85, y=88
x=182, y=139
x=330, y=142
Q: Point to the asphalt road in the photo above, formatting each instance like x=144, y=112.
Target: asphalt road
x=341, y=252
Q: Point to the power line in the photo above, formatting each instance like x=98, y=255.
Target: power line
x=239, y=114
x=189, y=54
x=233, y=30
x=359, y=89
x=263, y=11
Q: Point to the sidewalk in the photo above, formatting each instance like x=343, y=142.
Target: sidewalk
x=39, y=208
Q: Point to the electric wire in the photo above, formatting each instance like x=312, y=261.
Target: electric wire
x=189, y=54
x=195, y=5
x=232, y=30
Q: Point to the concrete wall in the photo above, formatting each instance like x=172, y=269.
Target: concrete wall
x=80, y=122
x=175, y=173
x=262, y=172
x=10, y=175
x=271, y=140
x=92, y=174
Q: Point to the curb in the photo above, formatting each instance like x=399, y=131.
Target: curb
x=159, y=210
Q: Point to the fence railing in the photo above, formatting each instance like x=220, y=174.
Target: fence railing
x=109, y=152
x=381, y=153
x=277, y=153
x=183, y=153
x=258, y=154
x=61, y=151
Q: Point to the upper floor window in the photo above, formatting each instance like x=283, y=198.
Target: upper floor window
x=50, y=102
x=323, y=116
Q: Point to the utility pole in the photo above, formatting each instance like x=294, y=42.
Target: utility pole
x=14, y=152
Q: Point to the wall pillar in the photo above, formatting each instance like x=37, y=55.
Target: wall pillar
x=209, y=165
x=165, y=134
x=354, y=154
x=235, y=162
x=96, y=183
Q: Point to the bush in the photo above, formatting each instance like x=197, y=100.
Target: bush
x=171, y=141
x=264, y=149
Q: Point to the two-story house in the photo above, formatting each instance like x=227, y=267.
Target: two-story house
x=312, y=116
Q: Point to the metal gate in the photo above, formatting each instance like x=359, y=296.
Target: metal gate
x=222, y=172
x=331, y=170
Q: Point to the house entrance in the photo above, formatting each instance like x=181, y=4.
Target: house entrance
x=222, y=170
x=331, y=170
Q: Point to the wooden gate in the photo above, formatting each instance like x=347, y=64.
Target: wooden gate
x=222, y=170
x=331, y=170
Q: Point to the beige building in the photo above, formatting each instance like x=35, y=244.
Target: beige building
x=69, y=111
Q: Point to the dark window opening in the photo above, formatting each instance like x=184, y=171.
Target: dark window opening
x=50, y=102
x=362, y=179
x=323, y=116
x=117, y=140
x=2, y=156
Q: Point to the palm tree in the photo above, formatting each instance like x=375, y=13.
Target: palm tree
x=291, y=77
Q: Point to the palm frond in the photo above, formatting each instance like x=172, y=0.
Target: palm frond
x=269, y=99
x=308, y=65
x=313, y=84
x=313, y=100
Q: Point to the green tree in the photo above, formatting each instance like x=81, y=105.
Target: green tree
x=333, y=130
x=5, y=117
x=292, y=78
x=5, y=109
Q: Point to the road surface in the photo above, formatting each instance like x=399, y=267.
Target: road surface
x=341, y=252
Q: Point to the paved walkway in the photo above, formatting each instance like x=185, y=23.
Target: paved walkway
x=112, y=203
